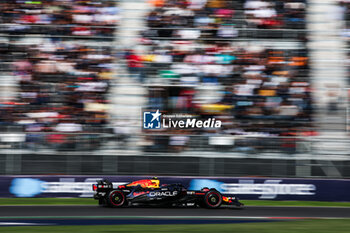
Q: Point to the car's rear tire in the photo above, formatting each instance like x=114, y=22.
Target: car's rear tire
x=212, y=199
x=116, y=198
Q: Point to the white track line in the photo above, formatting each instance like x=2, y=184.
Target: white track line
x=22, y=224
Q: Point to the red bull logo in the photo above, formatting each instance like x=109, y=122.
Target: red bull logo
x=145, y=183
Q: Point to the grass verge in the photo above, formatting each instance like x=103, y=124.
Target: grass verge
x=47, y=201
x=309, y=226
x=296, y=203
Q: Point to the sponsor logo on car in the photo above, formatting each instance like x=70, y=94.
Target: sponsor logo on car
x=163, y=194
x=138, y=193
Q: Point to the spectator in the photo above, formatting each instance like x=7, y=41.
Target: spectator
x=135, y=65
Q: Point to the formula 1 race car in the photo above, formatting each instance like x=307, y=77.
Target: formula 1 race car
x=149, y=192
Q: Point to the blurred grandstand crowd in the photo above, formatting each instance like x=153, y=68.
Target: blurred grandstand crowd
x=198, y=48
x=62, y=82
x=59, y=17
x=203, y=57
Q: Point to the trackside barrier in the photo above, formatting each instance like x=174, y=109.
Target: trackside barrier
x=244, y=188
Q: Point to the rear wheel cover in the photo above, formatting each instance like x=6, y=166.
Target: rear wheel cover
x=213, y=199
x=117, y=198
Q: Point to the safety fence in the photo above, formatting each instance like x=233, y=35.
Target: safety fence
x=35, y=142
x=201, y=155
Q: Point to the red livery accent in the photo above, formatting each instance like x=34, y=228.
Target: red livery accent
x=138, y=193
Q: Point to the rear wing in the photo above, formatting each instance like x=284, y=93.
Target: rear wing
x=102, y=185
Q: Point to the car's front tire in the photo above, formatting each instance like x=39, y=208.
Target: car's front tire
x=212, y=199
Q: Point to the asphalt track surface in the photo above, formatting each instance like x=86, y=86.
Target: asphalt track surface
x=248, y=211
x=96, y=215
